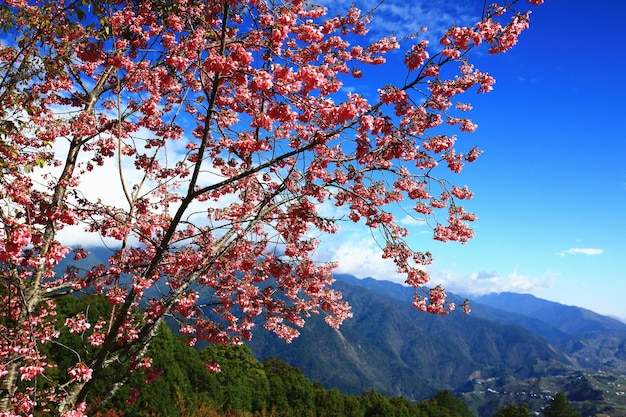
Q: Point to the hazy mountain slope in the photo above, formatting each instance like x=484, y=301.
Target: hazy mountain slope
x=521, y=309
x=590, y=340
x=486, y=311
x=571, y=320
x=390, y=347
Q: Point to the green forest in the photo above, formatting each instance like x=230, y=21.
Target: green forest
x=178, y=384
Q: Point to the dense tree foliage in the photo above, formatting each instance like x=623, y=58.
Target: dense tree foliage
x=560, y=406
x=445, y=399
x=178, y=386
x=513, y=410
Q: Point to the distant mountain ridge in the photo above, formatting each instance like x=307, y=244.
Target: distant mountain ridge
x=547, y=318
x=390, y=347
x=511, y=348
x=568, y=319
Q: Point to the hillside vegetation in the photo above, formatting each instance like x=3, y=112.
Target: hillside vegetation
x=178, y=383
x=512, y=348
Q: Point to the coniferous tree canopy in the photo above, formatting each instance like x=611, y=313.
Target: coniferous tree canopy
x=513, y=410
x=560, y=407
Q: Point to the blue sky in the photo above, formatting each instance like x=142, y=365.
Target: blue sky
x=550, y=188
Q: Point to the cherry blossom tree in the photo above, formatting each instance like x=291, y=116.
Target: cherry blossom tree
x=224, y=129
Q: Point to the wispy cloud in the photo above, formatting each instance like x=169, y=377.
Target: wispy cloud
x=360, y=257
x=482, y=282
x=582, y=251
x=405, y=18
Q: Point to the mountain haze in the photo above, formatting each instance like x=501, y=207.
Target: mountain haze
x=509, y=342
x=570, y=320
x=392, y=348
x=591, y=340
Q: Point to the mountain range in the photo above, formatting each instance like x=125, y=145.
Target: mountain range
x=510, y=348
x=508, y=340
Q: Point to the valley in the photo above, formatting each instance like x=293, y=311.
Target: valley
x=511, y=348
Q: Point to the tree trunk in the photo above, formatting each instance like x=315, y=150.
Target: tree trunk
x=7, y=387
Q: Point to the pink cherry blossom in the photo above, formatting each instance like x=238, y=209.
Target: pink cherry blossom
x=80, y=372
x=78, y=324
x=230, y=135
x=30, y=372
x=213, y=366
x=78, y=412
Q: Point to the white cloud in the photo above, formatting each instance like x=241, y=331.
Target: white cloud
x=106, y=184
x=357, y=253
x=482, y=282
x=361, y=257
x=582, y=251
x=409, y=220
